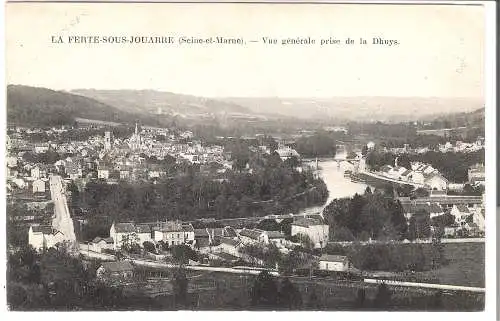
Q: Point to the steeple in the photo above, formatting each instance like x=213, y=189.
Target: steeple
x=136, y=129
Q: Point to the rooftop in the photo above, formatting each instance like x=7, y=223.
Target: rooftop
x=333, y=258
x=119, y=266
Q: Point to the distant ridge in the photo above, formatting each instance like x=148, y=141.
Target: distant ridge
x=36, y=106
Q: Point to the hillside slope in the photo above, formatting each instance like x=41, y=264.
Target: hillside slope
x=34, y=106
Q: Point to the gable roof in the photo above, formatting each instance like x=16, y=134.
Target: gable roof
x=143, y=228
x=44, y=229
x=307, y=221
x=98, y=239
x=275, y=235
x=333, y=258
x=124, y=227
x=229, y=241
x=253, y=234
x=118, y=266
x=200, y=232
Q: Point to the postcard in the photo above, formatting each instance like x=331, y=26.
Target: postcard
x=250, y=157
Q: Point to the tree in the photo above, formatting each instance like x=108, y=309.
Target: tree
x=130, y=243
x=360, y=298
x=180, y=286
x=313, y=301
x=264, y=293
x=383, y=297
x=149, y=246
x=289, y=296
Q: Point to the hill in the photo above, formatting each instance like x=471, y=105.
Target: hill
x=474, y=119
x=160, y=102
x=387, y=109
x=34, y=106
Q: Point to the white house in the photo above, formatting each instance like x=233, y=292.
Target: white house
x=98, y=244
x=38, y=186
x=436, y=181
x=461, y=212
x=337, y=263
x=229, y=246
x=174, y=233
x=119, y=230
x=253, y=236
x=103, y=172
x=417, y=177
x=315, y=228
x=44, y=236
x=276, y=237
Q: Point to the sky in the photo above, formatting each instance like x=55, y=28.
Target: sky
x=440, y=51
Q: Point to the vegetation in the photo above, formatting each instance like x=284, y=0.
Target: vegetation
x=272, y=188
x=369, y=216
x=321, y=144
x=452, y=165
x=40, y=107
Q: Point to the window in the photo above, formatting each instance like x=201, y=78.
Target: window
x=327, y=266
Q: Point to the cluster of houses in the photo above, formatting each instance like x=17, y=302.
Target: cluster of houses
x=467, y=211
x=419, y=174
x=219, y=243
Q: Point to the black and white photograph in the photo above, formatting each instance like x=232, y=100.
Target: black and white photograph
x=250, y=157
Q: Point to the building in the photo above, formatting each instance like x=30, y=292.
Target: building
x=115, y=270
x=338, y=263
x=108, y=140
x=286, y=153
x=103, y=172
x=460, y=212
x=174, y=233
x=229, y=246
x=276, y=237
x=253, y=236
x=137, y=233
x=436, y=181
x=98, y=244
x=44, y=236
x=39, y=186
x=314, y=228
x=476, y=174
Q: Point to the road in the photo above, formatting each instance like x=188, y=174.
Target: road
x=62, y=220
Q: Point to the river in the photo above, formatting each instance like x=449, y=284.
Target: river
x=338, y=186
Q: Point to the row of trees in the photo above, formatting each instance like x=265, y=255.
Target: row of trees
x=452, y=165
x=268, y=294
x=268, y=190
x=373, y=216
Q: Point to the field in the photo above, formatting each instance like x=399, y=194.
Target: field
x=466, y=265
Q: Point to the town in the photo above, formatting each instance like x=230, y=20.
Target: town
x=139, y=201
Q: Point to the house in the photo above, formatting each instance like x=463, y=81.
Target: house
x=435, y=210
x=286, y=153
x=171, y=232
x=253, y=236
x=436, y=181
x=143, y=232
x=140, y=233
x=38, y=186
x=229, y=246
x=98, y=244
x=44, y=236
x=406, y=175
x=202, y=238
x=188, y=231
x=417, y=177
x=314, y=228
x=103, y=172
x=73, y=170
x=276, y=237
x=115, y=270
x=338, y=263
x=461, y=212
x=36, y=172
